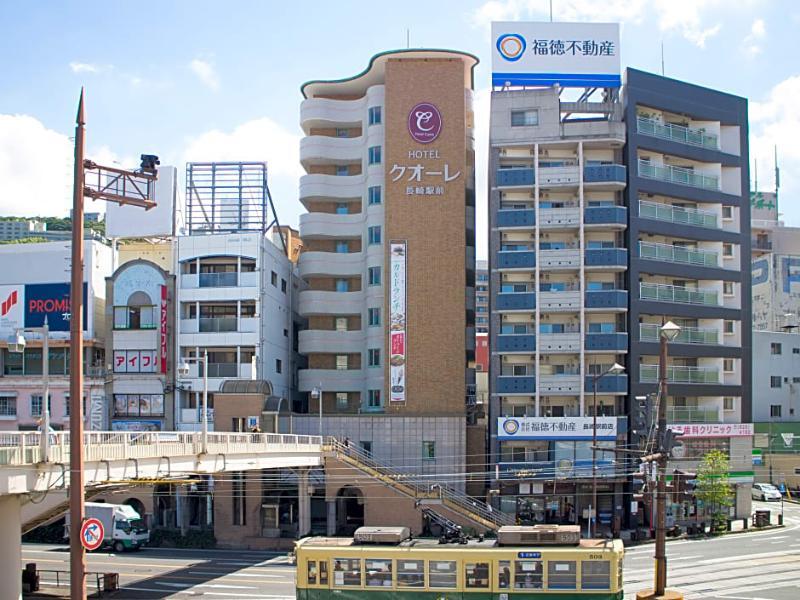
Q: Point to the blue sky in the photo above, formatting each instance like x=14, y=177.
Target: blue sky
x=220, y=81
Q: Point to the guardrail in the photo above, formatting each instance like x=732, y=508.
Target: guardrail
x=22, y=447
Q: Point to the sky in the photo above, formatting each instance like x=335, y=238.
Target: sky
x=200, y=80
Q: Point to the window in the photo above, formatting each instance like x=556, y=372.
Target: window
x=374, y=234
x=524, y=118
x=286, y=333
x=727, y=365
x=138, y=405
x=278, y=365
x=410, y=573
x=346, y=571
x=442, y=573
x=476, y=575
x=373, y=317
x=374, y=194
x=273, y=278
x=528, y=574
x=341, y=362
x=342, y=285
x=374, y=113
x=374, y=357
x=727, y=403
x=561, y=574
x=374, y=275
x=341, y=208
x=323, y=572
x=283, y=285
x=342, y=133
x=311, y=572
x=36, y=405
x=342, y=247
x=374, y=398
x=774, y=410
x=727, y=288
x=8, y=406
x=727, y=250
x=596, y=574
x=366, y=446
x=239, y=498
x=374, y=155
x=341, y=401
x=727, y=212
x=342, y=170
x=378, y=573
x=729, y=327
x=341, y=323
x=504, y=574
x=428, y=450
x=135, y=317
x=775, y=348
x=795, y=350
x=775, y=381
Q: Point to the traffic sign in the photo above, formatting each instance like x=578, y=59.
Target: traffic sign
x=92, y=534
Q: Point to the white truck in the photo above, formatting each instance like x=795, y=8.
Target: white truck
x=123, y=527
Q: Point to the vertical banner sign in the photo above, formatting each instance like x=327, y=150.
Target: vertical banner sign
x=163, y=345
x=397, y=317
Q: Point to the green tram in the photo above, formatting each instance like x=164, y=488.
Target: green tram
x=543, y=561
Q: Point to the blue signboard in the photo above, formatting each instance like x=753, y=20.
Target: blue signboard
x=51, y=300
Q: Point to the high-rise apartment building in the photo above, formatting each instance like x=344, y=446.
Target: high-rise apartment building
x=482, y=296
x=389, y=257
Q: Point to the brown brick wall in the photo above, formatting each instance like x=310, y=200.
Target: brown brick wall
x=317, y=206
x=330, y=245
x=230, y=406
x=328, y=323
x=329, y=405
x=328, y=361
x=328, y=284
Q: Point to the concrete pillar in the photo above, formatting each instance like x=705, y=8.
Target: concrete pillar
x=303, y=504
x=11, y=544
x=331, y=522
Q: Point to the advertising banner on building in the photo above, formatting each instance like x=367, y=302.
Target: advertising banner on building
x=706, y=430
x=545, y=54
x=51, y=300
x=555, y=428
x=397, y=321
x=12, y=302
x=162, y=353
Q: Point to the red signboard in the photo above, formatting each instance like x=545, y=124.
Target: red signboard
x=92, y=534
x=163, y=350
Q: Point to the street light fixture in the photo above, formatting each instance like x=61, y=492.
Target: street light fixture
x=183, y=371
x=316, y=394
x=615, y=369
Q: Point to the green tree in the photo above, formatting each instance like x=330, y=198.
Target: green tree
x=714, y=489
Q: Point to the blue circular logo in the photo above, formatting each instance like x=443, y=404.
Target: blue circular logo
x=511, y=46
x=511, y=426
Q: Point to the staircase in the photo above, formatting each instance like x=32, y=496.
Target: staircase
x=53, y=505
x=408, y=484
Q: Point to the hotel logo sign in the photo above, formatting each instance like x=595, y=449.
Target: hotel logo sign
x=424, y=123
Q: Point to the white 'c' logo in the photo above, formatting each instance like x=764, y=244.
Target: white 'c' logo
x=423, y=117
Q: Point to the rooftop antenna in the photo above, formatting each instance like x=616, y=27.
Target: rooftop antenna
x=777, y=179
x=408, y=38
x=662, y=58
x=551, y=11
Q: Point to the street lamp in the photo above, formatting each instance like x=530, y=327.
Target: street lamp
x=183, y=371
x=16, y=344
x=614, y=369
x=316, y=394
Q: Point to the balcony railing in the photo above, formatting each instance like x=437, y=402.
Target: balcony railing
x=677, y=133
x=681, y=295
x=680, y=374
x=678, y=175
x=516, y=301
x=607, y=299
x=516, y=259
x=678, y=215
x=685, y=414
x=604, y=174
x=649, y=332
x=228, y=279
x=217, y=324
x=761, y=244
x=509, y=217
x=678, y=254
x=515, y=177
x=222, y=370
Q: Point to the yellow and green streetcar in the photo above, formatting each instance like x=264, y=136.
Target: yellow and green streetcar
x=537, y=562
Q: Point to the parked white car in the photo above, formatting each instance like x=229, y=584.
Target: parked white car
x=765, y=491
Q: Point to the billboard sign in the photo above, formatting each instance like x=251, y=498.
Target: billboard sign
x=709, y=430
x=424, y=122
x=51, y=300
x=397, y=310
x=555, y=428
x=12, y=302
x=545, y=54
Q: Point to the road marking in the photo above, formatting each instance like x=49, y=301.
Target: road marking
x=685, y=557
x=238, y=595
x=216, y=573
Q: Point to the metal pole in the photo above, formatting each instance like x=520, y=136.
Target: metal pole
x=319, y=399
x=205, y=403
x=661, y=498
x=44, y=441
x=77, y=566
x=592, y=518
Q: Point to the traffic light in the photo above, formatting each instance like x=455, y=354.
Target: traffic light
x=642, y=418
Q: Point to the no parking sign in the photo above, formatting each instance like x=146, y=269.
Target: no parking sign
x=92, y=534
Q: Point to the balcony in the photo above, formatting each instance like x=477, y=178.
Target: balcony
x=608, y=384
x=214, y=280
x=318, y=185
x=566, y=383
x=217, y=324
x=569, y=258
x=677, y=175
x=679, y=374
x=605, y=174
x=678, y=254
x=223, y=369
x=317, y=225
x=559, y=342
x=607, y=299
x=516, y=342
x=330, y=264
x=331, y=380
x=607, y=257
x=516, y=301
x=567, y=300
x=649, y=332
x=563, y=174
x=516, y=384
x=605, y=215
x=328, y=150
x=678, y=215
x=322, y=341
x=516, y=217
x=515, y=177
x=659, y=292
x=553, y=218
x=324, y=302
x=761, y=244
x=686, y=414
x=327, y=112
x=609, y=342
x=677, y=133
x=516, y=259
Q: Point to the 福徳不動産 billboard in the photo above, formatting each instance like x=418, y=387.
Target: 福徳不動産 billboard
x=545, y=54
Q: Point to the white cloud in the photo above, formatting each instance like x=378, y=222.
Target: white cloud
x=751, y=43
x=206, y=73
x=686, y=17
x=576, y=10
x=79, y=67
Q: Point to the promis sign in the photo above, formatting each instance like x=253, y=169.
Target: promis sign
x=51, y=300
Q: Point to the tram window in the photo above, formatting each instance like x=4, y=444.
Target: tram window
x=596, y=574
x=378, y=572
x=323, y=572
x=442, y=573
x=477, y=575
x=410, y=573
x=504, y=574
x=312, y=572
x=561, y=574
x=347, y=571
x=528, y=574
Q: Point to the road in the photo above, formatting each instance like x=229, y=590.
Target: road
x=752, y=566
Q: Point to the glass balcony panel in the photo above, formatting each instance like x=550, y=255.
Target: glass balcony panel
x=678, y=215
x=217, y=324
x=670, y=293
x=685, y=414
x=677, y=133
x=680, y=374
x=515, y=177
x=649, y=332
x=227, y=279
x=678, y=254
x=677, y=175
